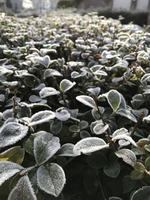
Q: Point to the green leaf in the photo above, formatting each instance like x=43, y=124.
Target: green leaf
x=51, y=179
x=14, y=154
x=142, y=193
x=114, y=99
x=66, y=85
x=11, y=133
x=127, y=155
x=113, y=169
x=115, y=198
x=45, y=146
x=41, y=117
x=128, y=184
x=86, y=100
x=147, y=163
x=7, y=170
x=23, y=190
x=138, y=172
x=56, y=126
x=48, y=91
x=139, y=167
x=147, y=147
x=89, y=145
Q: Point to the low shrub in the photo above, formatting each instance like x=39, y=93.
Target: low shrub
x=74, y=99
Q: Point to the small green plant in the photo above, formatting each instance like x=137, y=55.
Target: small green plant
x=74, y=102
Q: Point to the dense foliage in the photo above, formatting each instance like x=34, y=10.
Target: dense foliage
x=74, y=101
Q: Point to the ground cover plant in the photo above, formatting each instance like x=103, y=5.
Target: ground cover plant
x=74, y=102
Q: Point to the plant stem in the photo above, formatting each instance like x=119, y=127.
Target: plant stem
x=108, y=130
x=25, y=171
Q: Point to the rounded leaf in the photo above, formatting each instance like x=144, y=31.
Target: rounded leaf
x=62, y=114
x=66, y=150
x=124, y=137
x=138, y=172
x=114, y=99
x=113, y=169
x=23, y=190
x=147, y=163
x=48, y=91
x=86, y=100
x=11, y=133
x=51, y=72
x=51, y=179
x=142, y=193
x=127, y=155
x=14, y=154
x=42, y=117
x=7, y=170
x=66, y=85
x=100, y=128
x=45, y=146
x=89, y=145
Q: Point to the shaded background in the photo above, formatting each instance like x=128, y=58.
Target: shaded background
x=137, y=11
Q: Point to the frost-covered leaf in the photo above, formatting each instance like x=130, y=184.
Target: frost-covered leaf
x=14, y=154
x=114, y=99
x=121, y=131
x=48, y=91
x=127, y=155
x=51, y=179
x=89, y=145
x=97, y=113
x=45, y=146
x=7, y=170
x=66, y=150
x=86, y=100
x=45, y=61
x=124, y=137
x=42, y=117
x=23, y=190
x=147, y=119
x=66, y=85
x=128, y=114
x=34, y=99
x=62, y=114
x=11, y=133
x=51, y=72
x=100, y=128
x=94, y=91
